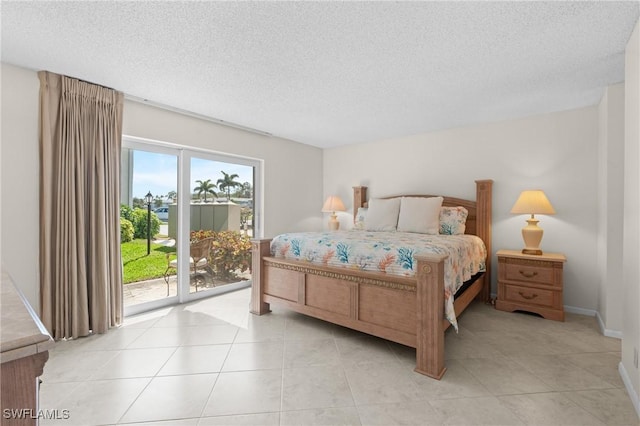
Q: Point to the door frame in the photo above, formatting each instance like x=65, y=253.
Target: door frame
x=184, y=155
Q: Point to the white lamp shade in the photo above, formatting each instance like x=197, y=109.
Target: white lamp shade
x=333, y=204
x=533, y=202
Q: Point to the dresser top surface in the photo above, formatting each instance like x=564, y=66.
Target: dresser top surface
x=21, y=331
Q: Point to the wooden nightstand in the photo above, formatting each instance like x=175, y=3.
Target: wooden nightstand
x=530, y=283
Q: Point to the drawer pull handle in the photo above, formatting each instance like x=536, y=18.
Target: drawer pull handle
x=528, y=274
x=524, y=296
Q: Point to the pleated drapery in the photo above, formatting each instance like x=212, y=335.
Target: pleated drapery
x=80, y=265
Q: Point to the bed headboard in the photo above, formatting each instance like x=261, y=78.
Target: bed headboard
x=478, y=221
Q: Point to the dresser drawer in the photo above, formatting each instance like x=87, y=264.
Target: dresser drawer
x=529, y=273
x=529, y=296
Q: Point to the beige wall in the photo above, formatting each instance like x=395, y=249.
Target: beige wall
x=20, y=174
x=292, y=171
x=631, y=245
x=555, y=152
x=610, y=208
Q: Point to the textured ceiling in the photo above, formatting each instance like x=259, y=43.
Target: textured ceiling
x=333, y=73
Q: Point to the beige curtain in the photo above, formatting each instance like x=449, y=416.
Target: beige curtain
x=80, y=266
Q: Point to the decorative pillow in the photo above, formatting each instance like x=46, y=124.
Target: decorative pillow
x=361, y=215
x=382, y=215
x=453, y=220
x=418, y=214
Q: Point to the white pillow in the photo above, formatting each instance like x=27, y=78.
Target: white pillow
x=420, y=215
x=361, y=215
x=382, y=215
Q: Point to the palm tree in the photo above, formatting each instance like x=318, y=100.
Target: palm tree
x=227, y=182
x=205, y=186
x=172, y=195
x=245, y=190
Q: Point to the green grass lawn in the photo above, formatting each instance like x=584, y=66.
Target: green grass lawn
x=138, y=266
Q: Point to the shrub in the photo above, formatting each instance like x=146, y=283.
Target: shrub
x=230, y=251
x=126, y=212
x=196, y=236
x=126, y=230
x=139, y=221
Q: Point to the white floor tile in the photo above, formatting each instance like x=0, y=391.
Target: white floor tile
x=475, y=411
x=418, y=413
x=254, y=356
x=159, y=337
x=210, y=362
x=195, y=360
x=321, y=417
x=245, y=392
x=381, y=383
x=364, y=349
x=560, y=374
x=187, y=318
x=101, y=402
x=172, y=398
x=75, y=366
x=311, y=353
x=131, y=363
x=548, y=409
x=262, y=419
x=457, y=382
x=609, y=405
x=315, y=387
x=299, y=327
x=504, y=376
x=209, y=334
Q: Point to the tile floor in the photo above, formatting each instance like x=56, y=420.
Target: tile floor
x=212, y=363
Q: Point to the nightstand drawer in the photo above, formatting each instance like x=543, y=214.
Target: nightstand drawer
x=530, y=296
x=529, y=273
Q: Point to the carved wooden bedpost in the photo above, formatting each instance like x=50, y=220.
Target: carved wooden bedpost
x=483, y=228
x=259, y=249
x=429, y=315
x=359, y=199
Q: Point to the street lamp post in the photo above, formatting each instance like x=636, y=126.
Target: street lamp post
x=148, y=198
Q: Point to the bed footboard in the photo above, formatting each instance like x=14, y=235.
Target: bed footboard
x=430, y=316
x=409, y=311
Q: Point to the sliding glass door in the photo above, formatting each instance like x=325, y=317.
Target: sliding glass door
x=221, y=222
x=187, y=218
x=149, y=189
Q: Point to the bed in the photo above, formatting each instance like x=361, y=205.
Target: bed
x=409, y=310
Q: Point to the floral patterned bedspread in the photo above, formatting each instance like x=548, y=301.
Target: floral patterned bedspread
x=387, y=252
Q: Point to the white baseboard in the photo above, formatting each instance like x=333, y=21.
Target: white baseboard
x=605, y=331
x=590, y=313
x=579, y=311
x=627, y=384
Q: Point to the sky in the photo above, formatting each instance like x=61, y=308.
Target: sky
x=158, y=173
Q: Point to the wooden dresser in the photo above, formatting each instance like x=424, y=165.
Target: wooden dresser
x=24, y=349
x=531, y=283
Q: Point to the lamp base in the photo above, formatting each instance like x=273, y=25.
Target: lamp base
x=536, y=252
x=532, y=235
x=334, y=223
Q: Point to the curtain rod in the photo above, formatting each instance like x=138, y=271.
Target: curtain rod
x=195, y=115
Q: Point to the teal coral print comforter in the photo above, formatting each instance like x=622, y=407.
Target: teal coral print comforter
x=387, y=252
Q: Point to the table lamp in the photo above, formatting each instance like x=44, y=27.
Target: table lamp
x=332, y=205
x=532, y=202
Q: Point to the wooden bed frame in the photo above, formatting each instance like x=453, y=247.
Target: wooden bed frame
x=409, y=311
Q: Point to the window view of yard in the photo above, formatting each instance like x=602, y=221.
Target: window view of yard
x=220, y=220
